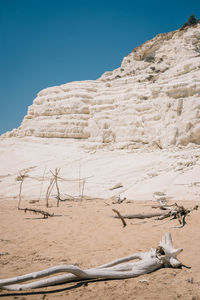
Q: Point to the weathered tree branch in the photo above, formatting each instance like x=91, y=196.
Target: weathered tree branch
x=120, y=216
x=174, y=210
x=141, y=216
x=49, y=190
x=56, y=182
x=163, y=255
x=38, y=211
x=21, y=178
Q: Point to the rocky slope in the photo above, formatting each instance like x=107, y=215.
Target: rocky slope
x=152, y=100
x=150, y=107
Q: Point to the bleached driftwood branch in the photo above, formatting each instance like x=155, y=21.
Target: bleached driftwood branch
x=163, y=256
x=178, y=212
x=175, y=211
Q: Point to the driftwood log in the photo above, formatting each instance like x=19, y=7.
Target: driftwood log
x=163, y=256
x=175, y=211
x=141, y=216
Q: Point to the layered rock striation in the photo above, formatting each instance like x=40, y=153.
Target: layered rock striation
x=152, y=100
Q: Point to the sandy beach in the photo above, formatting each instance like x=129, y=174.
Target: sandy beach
x=85, y=234
x=133, y=134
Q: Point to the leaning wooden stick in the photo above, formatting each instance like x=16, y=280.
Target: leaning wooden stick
x=49, y=190
x=56, y=182
x=120, y=216
x=21, y=178
x=163, y=256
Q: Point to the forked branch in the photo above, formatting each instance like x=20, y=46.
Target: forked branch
x=163, y=255
x=175, y=211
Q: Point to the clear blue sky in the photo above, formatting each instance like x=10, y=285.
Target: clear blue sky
x=50, y=42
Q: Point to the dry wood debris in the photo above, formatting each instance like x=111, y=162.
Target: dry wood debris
x=120, y=216
x=21, y=177
x=175, y=211
x=38, y=211
x=118, y=200
x=165, y=255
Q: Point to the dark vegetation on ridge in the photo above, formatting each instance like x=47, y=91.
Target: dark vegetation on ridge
x=191, y=22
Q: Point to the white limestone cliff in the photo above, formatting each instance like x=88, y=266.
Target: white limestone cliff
x=147, y=111
x=152, y=100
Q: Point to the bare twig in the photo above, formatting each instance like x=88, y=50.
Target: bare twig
x=38, y=211
x=49, y=189
x=21, y=178
x=120, y=216
x=20, y=193
x=56, y=182
x=42, y=184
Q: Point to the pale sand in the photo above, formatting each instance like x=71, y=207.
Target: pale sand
x=87, y=235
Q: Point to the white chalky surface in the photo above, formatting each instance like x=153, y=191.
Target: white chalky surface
x=138, y=125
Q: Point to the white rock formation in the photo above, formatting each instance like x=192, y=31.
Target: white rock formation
x=152, y=100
